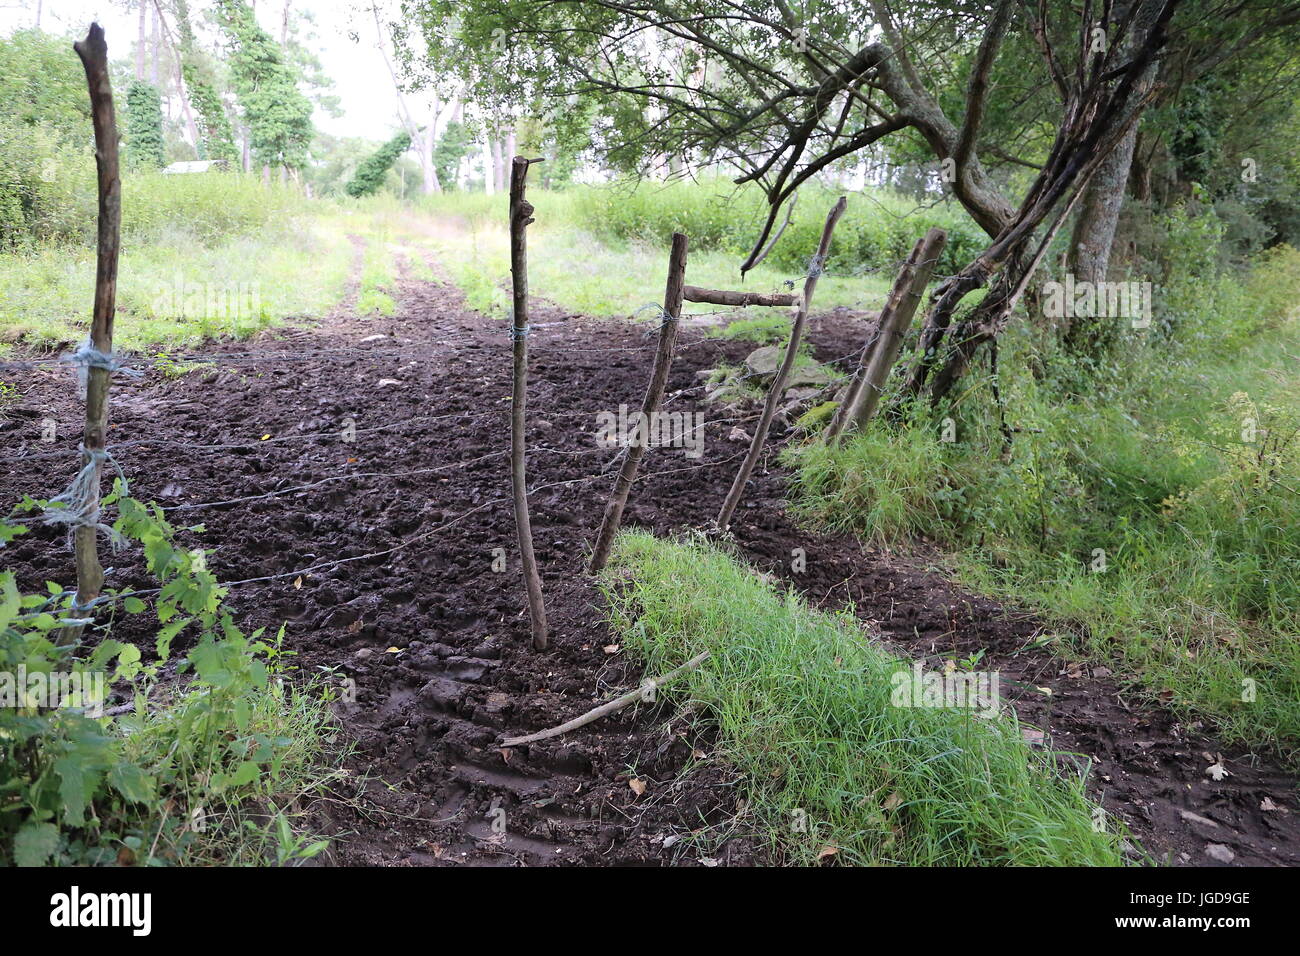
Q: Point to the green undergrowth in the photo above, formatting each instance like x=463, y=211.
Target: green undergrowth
x=1151, y=514
x=804, y=706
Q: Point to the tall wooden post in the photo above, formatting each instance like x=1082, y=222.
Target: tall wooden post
x=521, y=215
x=94, y=57
x=654, y=394
x=778, y=384
x=864, y=394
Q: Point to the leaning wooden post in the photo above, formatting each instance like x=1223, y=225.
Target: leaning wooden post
x=94, y=57
x=654, y=394
x=864, y=395
x=778, y=384
x=521, y=214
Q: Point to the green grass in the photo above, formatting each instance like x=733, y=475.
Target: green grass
x=580, y=264
x=1134, y=513
x=802, y=702
x=203, y=256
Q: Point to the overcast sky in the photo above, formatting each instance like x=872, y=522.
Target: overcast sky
x=360, y=78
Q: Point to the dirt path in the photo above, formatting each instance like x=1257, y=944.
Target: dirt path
x=381, y=564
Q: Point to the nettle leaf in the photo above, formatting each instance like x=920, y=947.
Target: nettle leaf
x=74, y=787
x=35, y=843
x=104, y=653
x=128, y=663
x=9, y=599
x=168, y=634
x=131, y=782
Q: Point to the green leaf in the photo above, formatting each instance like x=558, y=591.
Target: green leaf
x=131, y=782
x=133, y=605
x=72, y=787
x=245, y=774
x=35, y=843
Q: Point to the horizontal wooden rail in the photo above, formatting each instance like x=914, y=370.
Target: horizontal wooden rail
x=692, y=293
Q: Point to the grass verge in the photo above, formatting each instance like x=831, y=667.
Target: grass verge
x=805, y=709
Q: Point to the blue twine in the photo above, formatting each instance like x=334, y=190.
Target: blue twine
x=77, y=506
x=664, y=316
x=816, y=266
x=87, y=357
x=519, y=332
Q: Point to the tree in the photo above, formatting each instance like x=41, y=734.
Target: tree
x=452, y=148
x=370, y=174
x=783, y=92
x=144, y=129
x=278, y=115
x=216, y=135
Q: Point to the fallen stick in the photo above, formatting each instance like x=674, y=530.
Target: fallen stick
x=693, y=293
x=618, y=703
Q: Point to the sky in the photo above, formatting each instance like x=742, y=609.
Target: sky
x=361, y=80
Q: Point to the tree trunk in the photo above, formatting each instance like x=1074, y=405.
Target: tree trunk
x=1093, y=237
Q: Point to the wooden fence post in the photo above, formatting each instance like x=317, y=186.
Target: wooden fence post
x=654, y=394
x=521, y=214
x=93, y=52
x=778, y=384
x=909, y=286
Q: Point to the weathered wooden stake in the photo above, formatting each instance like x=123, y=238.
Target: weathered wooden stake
x=778, y=384
x=864, y=394
x=521, y=214
x=94, y=57
x=654, y=394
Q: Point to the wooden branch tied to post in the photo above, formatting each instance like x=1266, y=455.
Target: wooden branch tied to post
x=692, y=293
x=654, y=394
x=521, y=214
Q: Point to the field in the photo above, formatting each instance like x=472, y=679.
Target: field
x=341, y=461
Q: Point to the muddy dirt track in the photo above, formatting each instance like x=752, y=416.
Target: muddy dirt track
x=387, y=542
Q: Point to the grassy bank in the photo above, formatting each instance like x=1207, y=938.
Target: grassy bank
x=803, y=706
x=1153, y=515
x=203, y=256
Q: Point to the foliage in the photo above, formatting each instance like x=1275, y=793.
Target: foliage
x=144, y=127
x=832, y=765
x=1152, y=503
x=277, y=114
x=452, y=147
x=159, y=784
x=370, y=174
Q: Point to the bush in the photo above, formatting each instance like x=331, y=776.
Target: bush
x=1177, y=467
x=875, y=234
x=165, y=782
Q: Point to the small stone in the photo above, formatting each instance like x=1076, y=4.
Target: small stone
x=1220, y=852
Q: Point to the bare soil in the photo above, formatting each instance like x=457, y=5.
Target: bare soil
x=381, y=566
